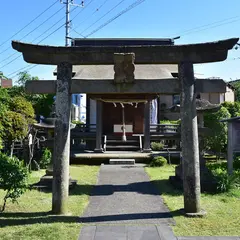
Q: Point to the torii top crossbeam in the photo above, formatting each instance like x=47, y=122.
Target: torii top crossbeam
x=146, y=52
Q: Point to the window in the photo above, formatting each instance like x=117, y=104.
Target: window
x=176, y=99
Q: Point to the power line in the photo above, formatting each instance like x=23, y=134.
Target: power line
x=37, y=43
x=37, y=38
x=17, y=71
x=82, y=9
x=97, y=9
x=29, y=23
x=102, y=16
x=209, y=26
x=135, y=4
x=36, y=27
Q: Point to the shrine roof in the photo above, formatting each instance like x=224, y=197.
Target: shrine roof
x=106, y=72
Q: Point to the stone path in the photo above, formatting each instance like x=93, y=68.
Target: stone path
x=124, y=195
x=125, y=205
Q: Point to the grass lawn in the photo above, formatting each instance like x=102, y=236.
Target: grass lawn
x=223, y=210
x=30, y=219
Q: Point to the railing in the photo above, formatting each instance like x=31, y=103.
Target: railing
x=85, y=128
x=164, y=128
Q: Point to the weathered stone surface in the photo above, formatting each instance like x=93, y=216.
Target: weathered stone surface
x=189, y=136
x=124, y=67
x=161, y=86
x=165, y=54
x=62, y=140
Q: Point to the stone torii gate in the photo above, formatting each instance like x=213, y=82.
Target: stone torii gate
x=117, y=52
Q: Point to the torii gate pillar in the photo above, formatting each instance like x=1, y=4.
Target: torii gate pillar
x=62, y=139
x=189, y=137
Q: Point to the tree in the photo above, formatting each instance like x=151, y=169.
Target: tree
x=233, y=108
x=217, y=140
x=4, y=105
x=236, y=85
x=16, y=120
x=13, y=178
x=42, y=103
x=24, y=76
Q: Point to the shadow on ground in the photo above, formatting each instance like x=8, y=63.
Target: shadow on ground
x=159, y=187
x=29, y=218
x=17, y=219
x=134, y=216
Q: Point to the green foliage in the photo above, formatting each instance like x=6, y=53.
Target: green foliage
x=4, y=104
x=77, y=122
x=224, y=181
x=233, y=108
x=158, y=161
x=236, y=85
x=157, y=146
x=236, y=163
x=17, y=114
x=41, y=103
x=15, y=126
x=45, y=159
x=170, y=121
x=24, y=76
x=22, y=106
x=13, y=178
x=217, y=140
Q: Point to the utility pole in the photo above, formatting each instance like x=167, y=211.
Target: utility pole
x=68, y=4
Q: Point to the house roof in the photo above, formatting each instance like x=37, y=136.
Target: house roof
x=234, y=119
x=148, y=71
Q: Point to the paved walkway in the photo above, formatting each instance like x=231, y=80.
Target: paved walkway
x=125, y=205
x=125, y=195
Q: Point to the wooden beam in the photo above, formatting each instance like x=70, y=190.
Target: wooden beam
x=146, y=54
x=160, y=86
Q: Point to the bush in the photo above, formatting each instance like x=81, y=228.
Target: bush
x=158, y=161
x=157, y=146
x=170, y=121
x=13, y=178
x=46, y=158
x=77, y=122
x=236, y=163
x=217, y=140
x=226, y=182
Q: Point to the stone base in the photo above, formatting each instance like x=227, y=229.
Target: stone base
x=46, y=183
x=200, y=214
x=149, y=150
x=208, y=183
x=98, y=150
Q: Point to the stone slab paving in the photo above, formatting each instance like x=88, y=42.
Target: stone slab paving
x=124, y=195
x=126, y=232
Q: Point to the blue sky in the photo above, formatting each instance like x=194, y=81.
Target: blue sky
x=152, y=18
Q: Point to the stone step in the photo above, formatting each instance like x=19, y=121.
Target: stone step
x=122, y=161
x=122, y=147
x=121, y=141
